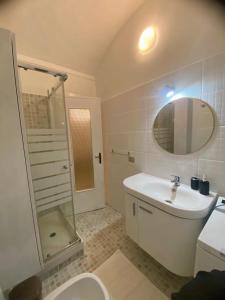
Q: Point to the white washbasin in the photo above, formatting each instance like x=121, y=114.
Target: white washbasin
x=86, y=286
x=184, y=202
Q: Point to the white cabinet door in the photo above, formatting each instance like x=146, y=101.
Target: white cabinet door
x=151, y=230
x=168, y=239
x=131, y=210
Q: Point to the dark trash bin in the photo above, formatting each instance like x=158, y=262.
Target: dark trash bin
x=29, y=289
x=205, y=286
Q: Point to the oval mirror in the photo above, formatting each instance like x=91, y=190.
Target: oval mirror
x=184, y=126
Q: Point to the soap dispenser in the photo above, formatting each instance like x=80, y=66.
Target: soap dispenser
x=204, y=186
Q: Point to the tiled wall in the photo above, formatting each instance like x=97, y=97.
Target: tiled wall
x=127, y=126
x=35, y=111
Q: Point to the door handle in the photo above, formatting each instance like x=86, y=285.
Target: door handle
x=99, y=156
x=146, y=210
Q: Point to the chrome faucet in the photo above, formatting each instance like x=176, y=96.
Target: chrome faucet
x=176, y=180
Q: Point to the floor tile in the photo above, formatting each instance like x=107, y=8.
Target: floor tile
x=103, y=233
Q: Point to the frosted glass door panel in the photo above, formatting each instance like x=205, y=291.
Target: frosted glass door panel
x=90, y=195
x=80, y=124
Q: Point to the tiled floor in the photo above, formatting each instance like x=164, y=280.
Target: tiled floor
x=103, y=233
x=131, y=284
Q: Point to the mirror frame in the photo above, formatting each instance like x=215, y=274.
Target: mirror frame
x=214, y=117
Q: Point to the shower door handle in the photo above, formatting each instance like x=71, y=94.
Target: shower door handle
x=99, y=156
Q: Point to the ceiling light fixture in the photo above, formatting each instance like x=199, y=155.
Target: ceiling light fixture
x=170, y=94
x=169, y=91
x=147, y=40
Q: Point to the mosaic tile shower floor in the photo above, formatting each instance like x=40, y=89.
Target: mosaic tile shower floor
x=103, y=232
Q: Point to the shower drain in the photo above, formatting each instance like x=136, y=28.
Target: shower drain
x=52, y=234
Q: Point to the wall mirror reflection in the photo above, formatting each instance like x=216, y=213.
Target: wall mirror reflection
x=184, y=126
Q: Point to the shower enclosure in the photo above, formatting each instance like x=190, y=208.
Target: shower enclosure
x=49, y=158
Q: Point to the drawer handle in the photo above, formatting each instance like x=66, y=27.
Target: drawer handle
x=146, y=210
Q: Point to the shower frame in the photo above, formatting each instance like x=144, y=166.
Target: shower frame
x=77, y=245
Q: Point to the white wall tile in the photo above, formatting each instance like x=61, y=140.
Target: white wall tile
x=137, y=120
x=217, y=102
x=138, y=141
x=164, y=166
x=216, y=148
x=128, y=121
x=120, y=123
x=215, y=172
x=116, y=195
x=214, y=74
x=119, y=142
x=188, y=81
x=140, y=164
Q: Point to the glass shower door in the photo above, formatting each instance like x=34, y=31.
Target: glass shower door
x=48, y=148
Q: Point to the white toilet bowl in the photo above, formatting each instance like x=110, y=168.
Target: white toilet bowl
x=86, y=286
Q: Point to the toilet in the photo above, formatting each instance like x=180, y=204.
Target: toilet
x=210, y=252
x=86, y=286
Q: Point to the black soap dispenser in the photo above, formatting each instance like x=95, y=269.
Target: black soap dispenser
x=195, y=183
x=204, y=186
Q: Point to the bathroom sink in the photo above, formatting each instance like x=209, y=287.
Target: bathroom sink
x=182, y=202
x=86, y=286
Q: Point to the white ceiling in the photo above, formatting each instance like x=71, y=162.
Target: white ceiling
x=71, y=33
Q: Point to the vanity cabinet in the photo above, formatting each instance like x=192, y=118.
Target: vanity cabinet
x=169, y=239
x=131, y=209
